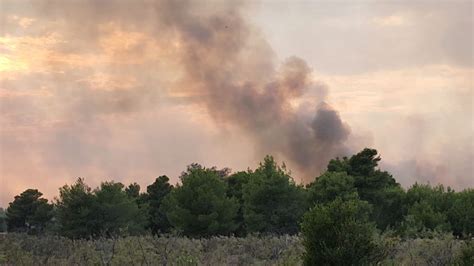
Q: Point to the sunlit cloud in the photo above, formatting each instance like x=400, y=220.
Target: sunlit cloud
x=395, y=20
x=23, y=22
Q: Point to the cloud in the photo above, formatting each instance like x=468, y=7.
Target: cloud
x=366, y=36
x=391, y=21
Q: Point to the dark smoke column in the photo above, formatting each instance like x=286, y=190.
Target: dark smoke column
x=227, y=62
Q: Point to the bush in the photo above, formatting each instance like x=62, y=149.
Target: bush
x=339, y=233
x=467, y=254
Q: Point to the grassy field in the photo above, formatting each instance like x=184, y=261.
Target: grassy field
x=21, y=249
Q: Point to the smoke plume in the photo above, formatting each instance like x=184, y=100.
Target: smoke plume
x=218, y=53
x=97, y=89
x=220, y=62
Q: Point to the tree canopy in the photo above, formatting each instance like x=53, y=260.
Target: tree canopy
x=156, y=192
x=272, y=202
x=28, y=212
x=199, y=206
x=266, y=200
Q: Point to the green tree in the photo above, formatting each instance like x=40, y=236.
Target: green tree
x=377, y=187
x=156, y=192
x=339, y=233
x=461, y=213
x=106, y=211
x=29, y=212
x=117, y=213
x=388, y=207
x=77, y=211
x=133, y=190
x=421, y=216
x=331, y=185
x=235, y=187
x=199, y=207
x=273, y=203
x=426, y=209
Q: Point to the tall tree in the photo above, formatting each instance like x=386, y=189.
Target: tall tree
x=199, y=207
x=77, y=211
x=118, y=214
x=29, y=212
x=235, y=189
x=461, y=214
x=156, y=192
x=273, y=203
x=377, y=187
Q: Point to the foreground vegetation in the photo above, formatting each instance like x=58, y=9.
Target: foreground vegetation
x=354, y=213
x=23, y=249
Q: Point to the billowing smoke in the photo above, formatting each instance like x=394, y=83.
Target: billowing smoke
x=218, y=53
x=218, y=60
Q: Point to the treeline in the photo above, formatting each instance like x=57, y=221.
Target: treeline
x=353, y=193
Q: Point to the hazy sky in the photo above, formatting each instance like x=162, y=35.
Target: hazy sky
x=130, y=90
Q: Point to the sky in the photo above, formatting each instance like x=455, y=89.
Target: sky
x=130, y=90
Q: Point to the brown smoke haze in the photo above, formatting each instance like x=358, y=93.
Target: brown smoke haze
x=129, y=90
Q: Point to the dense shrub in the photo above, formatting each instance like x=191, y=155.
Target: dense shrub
x=339, y=233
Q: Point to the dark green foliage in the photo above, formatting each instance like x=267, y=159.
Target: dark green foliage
x=156, y=192
x=331, y=185
x=426, y=217
x=236, y=183
x=461, y=213
x=272, y=201
x=117, y=214
x=388, y=209
x=362, y=166
x=339, y=233
x=364, y=163
x=133, y=190
x=29, y=212
x=210, y=202
x=377, y=187
x=107, y=211
x=426, y=209
x=199, y=207
x=235, y=187
x=77, y=211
